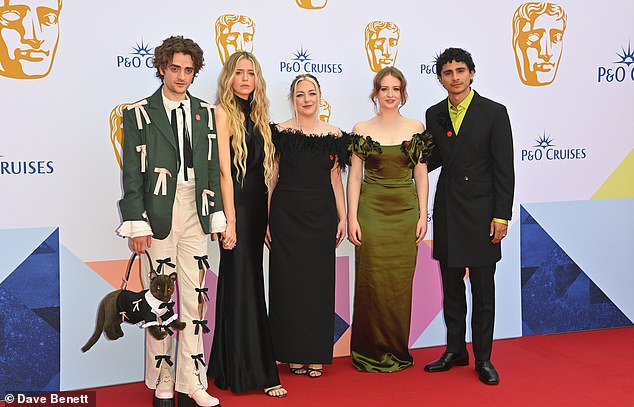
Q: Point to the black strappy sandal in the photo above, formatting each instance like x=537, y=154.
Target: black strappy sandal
x=300, y=371
x=319, y=372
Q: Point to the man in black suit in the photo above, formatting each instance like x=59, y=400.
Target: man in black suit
x=472, y=207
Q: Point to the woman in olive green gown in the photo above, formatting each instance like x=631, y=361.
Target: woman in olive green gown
x=387, y=219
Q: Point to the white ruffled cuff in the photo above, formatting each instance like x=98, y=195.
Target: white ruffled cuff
x=217, y=222
x=134, y=228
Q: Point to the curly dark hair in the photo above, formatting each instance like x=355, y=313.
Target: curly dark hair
x=164, y=53
x=454, y=54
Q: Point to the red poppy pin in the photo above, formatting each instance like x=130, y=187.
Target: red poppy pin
x=197, y=117
x=331, y=157
x=407, y=143
x=449, y=133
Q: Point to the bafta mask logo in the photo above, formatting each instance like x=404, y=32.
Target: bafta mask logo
x=312, y=4
x=234, y=33
x=381, y=44
x=324, y=110
x=116, y=131
x=29, y=33
x=538, y=39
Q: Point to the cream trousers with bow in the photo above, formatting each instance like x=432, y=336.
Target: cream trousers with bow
x=186, y=240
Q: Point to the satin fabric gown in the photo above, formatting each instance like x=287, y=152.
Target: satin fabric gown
x=242, y=354
x=384, y=263
x=303, y=226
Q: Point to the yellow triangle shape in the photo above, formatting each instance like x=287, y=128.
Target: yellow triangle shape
x=620, y=184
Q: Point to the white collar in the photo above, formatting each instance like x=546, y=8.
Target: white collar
x=154, y=303
x=173, y=104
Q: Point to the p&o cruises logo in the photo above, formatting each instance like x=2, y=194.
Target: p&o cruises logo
x=303, y=63
x=624, y=70
x=430, y=67
x=25, y=167
x=546, y=149
x=140, y=57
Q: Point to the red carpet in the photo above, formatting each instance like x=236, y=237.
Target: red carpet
x=594, y=368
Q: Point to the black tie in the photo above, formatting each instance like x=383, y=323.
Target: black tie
x=188, y=157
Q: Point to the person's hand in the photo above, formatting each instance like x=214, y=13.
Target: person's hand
x=341, y=232
x=354, y=232
x=140, y=243
x=267, y=237
x=421, y=229
x=229, y=238
x=497, y=232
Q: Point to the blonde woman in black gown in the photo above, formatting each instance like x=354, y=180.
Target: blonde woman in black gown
x=387, y=220
x=242, y=354
x=307, y=223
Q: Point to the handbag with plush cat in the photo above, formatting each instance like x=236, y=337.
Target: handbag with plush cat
x=152, y=308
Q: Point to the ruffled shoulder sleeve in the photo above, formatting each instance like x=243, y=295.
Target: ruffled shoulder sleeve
x=276, y=137
x=418, y=148
x=341, y=149
x=363, y=146
x=291, y=144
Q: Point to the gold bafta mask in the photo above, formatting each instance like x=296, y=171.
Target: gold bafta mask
x=381, y=44
x=538, y=34
x=312, y=4
x=116, y=131
x=29, y=33
x=324, y=110
x=234, y=33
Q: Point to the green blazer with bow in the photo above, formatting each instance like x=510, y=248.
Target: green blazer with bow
x=150, y=163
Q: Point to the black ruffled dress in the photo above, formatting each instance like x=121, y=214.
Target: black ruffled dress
x=303, y=225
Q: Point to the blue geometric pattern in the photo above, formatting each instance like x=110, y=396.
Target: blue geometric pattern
x=30, y=322
x=557, y=296
x=340, y=327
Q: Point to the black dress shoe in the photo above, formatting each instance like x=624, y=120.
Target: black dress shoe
x=157, y=402
x=487, y=373
x=447, y=361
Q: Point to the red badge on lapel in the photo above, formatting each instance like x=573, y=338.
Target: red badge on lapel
x=332, y=157
x=449, y=133
x=197, y=117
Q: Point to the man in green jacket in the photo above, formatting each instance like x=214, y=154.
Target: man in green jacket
x=171, y=201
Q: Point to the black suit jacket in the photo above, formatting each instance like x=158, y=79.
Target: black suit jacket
x=476, y=182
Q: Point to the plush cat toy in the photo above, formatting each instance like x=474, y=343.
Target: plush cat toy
x=152, y=308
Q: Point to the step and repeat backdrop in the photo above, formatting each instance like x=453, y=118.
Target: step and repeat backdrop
x=564, y=70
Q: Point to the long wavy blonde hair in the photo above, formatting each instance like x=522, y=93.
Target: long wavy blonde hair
x=259, y=113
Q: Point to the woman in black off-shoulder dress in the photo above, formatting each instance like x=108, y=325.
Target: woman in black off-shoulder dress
x=307, y=223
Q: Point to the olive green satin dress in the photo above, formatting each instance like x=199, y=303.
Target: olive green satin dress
x=385, y=262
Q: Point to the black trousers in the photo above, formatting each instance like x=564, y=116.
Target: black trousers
x=455, y=308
